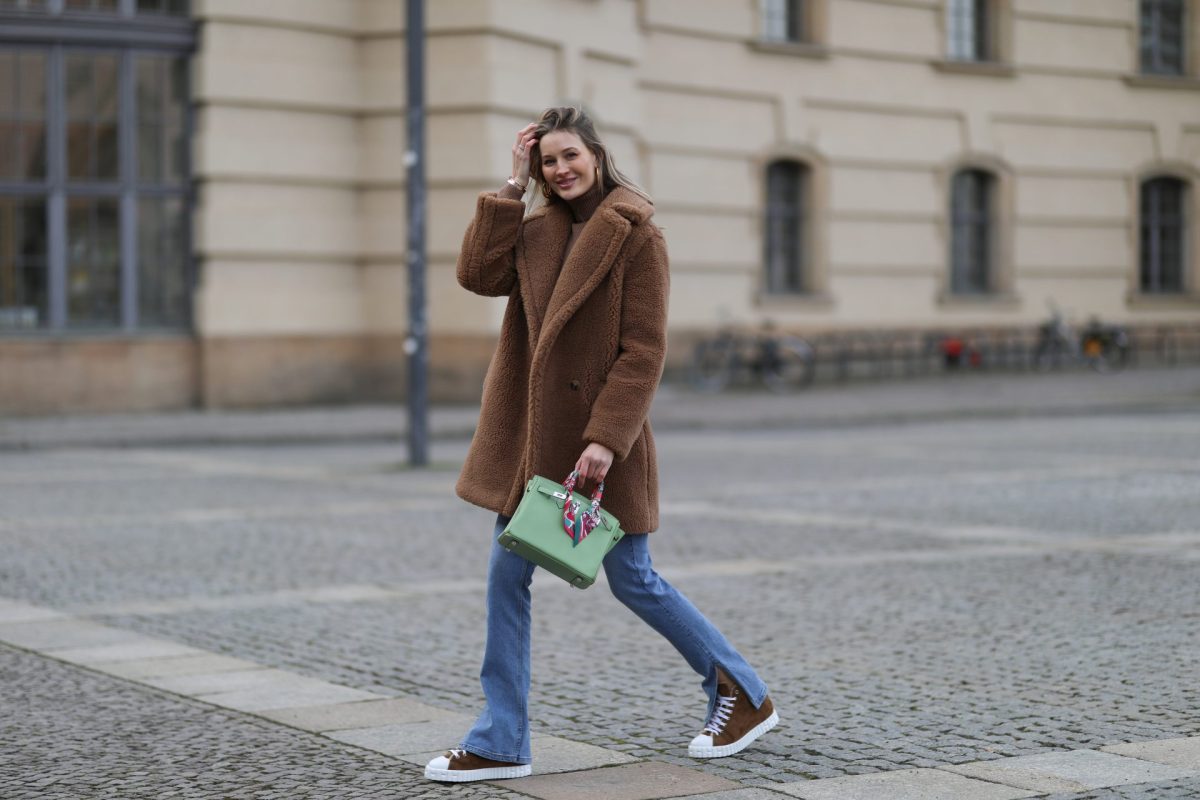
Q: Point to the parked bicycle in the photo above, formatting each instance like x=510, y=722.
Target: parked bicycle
x=1102, y=346
x=783, y=362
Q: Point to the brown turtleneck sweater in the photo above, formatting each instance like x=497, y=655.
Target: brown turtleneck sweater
x=582, y=209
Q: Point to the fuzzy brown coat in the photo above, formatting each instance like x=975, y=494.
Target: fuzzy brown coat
x=580, y=354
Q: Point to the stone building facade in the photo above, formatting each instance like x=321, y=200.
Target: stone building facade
x=824, y=164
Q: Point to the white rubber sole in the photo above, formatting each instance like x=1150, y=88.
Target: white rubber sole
x=466, y=775
x=738, y=746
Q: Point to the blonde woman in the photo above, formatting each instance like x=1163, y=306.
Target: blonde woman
x=569, y=388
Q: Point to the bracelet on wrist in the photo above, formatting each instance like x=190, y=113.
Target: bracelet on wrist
x=516, y=185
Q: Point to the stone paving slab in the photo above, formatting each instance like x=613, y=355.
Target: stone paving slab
x=1183, y=753
x=134, y=650
x=408, y=739
x=231, y=681
x=63, y=633
x=175, y=665
x=317, y=693
x=756, y=793
x=361, y=714
x=647, y=780
x=903, y=784
x=19, y=612
x=1071, y=771
x=552, y=754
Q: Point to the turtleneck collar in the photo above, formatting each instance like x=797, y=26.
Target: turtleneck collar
x=585, y=205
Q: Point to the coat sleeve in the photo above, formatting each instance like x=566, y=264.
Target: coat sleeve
x=621, y=408
x=487, y=261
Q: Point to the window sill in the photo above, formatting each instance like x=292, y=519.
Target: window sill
x=1186, y=83
x=986, y=69
x=1163, y=302
x=795, y=49
x=992, y=300
x=811, y=301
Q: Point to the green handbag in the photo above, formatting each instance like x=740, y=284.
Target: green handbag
x=569, y=539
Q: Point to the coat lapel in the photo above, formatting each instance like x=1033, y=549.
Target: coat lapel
x=589, y=263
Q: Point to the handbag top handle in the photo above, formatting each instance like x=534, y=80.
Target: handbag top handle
x=579, y=524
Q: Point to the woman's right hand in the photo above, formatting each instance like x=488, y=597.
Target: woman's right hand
x=521, y=152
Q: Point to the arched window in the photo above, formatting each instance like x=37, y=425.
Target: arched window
x=786, y=227
x=972, y=231
x=1161, y=36
x=969, y=29
x=785, y=20
x=1163, y=234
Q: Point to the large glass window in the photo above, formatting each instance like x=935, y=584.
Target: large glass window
x=968, y=26
x=1163, y=235
x=94, y=168
x=1161, y=27
x=786, y=223
x=971, y=227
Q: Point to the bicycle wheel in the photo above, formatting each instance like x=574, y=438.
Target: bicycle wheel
x=790, y=364
x=713, y=364
x=1048, y=355
x=1104, y=356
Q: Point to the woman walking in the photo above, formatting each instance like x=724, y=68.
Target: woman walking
x=569, y=388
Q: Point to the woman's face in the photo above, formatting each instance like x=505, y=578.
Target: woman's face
x=568, y=166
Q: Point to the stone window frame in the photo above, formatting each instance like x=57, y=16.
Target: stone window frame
x=1001, y=271
x=814, y=291
x=996, y=61
x=1189, y=78
x=814, y=28
x=1189, y=296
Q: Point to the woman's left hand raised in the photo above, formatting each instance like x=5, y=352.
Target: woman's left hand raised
x=594, y=463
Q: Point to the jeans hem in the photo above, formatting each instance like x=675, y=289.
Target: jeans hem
x=482, y=753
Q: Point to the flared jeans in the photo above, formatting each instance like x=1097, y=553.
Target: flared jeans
x=502, y=731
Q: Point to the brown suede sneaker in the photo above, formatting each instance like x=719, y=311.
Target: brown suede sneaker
x=459, y=766
x=734, y=724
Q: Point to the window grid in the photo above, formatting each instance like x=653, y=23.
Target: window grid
x=1162, y=37
x=786, y=225
x=971, y=232
x=1163, y=231
x=92, y=243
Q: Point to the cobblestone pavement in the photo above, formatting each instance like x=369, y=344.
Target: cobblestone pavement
x=914, y=595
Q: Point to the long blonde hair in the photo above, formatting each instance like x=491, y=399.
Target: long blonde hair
x=579, y=122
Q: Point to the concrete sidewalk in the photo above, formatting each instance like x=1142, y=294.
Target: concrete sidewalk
x=676, y=408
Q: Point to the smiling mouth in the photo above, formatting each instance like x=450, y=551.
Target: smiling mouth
x=565, y=184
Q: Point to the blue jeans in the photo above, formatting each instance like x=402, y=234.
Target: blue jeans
x=502, y=731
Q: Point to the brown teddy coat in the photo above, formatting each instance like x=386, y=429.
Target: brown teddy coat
x=580, y=354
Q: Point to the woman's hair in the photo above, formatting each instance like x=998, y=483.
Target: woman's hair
x=579, y=122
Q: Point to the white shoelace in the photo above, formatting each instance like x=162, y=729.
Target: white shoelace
x=720, y=715
x=456, y=753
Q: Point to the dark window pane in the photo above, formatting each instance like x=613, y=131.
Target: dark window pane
x=161, y=93
x=23, y=283
x=32, y=85
x=93, y=262
x=1163, y=232
x=33, y=152
x=162, y=284
x=970, y=225
x=1161, y=36
x=783, y=20
x=785, y=227
x=8, y=83
x=92, y=128
x=968, y=29
x=177, y=8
